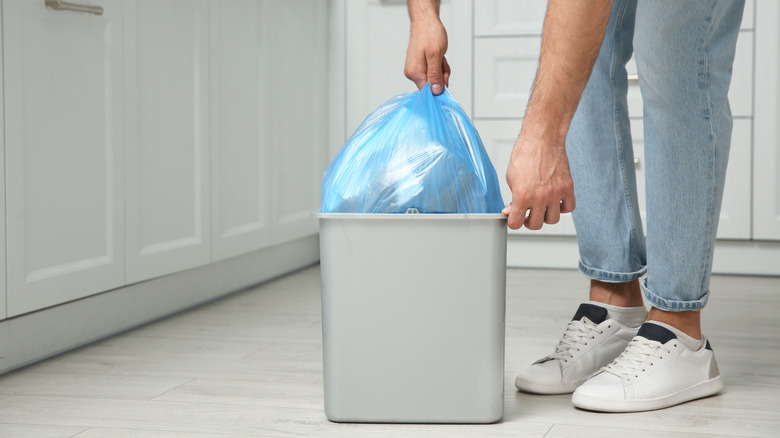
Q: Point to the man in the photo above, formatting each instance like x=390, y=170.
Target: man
x=614, y=356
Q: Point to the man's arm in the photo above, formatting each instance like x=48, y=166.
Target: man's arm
x=538, y=172
x=425, y=59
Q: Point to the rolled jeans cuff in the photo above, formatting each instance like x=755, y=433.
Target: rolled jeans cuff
x=610, y=277
x=673, y=305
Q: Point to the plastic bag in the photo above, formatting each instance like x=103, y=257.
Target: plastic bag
x=416, y=151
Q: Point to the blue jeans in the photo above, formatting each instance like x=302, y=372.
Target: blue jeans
x=684, y=52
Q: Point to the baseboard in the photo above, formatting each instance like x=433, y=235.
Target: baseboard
x=39, y=335
x=739, y=257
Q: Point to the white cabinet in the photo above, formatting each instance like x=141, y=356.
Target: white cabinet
x=64, y=153
x=297, y=54
x=2, y=189
x=508, y=17
x=504, y=70
x=268, y=141
x=166, y=136
x=766, y=129
x=377, y=35
x=240, y=129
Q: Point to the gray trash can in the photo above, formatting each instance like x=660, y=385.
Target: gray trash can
x=413, y=310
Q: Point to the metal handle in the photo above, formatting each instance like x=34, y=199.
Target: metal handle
x=633, y=78
x=59, y=5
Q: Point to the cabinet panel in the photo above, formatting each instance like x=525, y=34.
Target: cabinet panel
x=296, y=33
x=735, y=214
x=377, y=38
x=166, y=49
x=508, y=17
x=499, y=137
x=504, y=70
x=2, y=188
x=240, y=112
x=766, y=154
x=65, y=185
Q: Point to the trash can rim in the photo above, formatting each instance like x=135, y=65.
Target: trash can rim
x=404, y=216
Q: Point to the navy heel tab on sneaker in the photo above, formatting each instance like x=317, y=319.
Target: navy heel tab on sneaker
x=655, y=332
x=596, y=314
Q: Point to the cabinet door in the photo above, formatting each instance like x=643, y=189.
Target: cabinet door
x=297, y=54
x=2, y=187
x=240, y=123
x=166, y=83
x=377, y=38
x=63, y=109
x=766, y=154
x=269, y=142
x=504, y=70
x=508, y=17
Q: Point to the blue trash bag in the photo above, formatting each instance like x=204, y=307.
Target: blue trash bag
x=416, y=151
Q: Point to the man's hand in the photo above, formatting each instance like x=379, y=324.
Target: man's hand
x=425, y=61
x=540, y=180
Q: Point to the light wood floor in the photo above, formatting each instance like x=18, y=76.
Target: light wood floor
x=250, y=365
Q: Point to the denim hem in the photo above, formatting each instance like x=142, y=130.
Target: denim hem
x=610, y=277
x=673, y=305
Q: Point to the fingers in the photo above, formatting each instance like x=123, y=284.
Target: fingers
x=445, y=67
x=553, y=213
x=535, y=218
x=568, y=205
x=435, y=72
x=516, y=216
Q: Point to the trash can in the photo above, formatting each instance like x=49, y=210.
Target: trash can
x=413, y=317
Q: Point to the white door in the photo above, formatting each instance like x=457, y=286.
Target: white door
x=766, y=134
x=296, y=34
x=240, y=113
x=166, y=115
x=2, y=188
x=376, y=40
x=63, y=109
x=269, y=142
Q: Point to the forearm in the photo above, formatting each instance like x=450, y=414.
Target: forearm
x=571, y=39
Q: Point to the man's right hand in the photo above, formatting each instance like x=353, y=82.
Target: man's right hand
x=425, y=61
x=540, y=180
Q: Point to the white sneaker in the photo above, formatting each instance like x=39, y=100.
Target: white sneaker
x=590, y=341
x=656, y=371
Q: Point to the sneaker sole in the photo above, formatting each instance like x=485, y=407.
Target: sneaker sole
x=701, y=390
x=540, y=388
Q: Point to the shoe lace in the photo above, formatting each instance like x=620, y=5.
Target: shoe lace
x=577, y=335
x=640, y=354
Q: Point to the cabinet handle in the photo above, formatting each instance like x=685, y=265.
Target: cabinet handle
x=59, y=5
x=633, y=78
x=636, y=162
